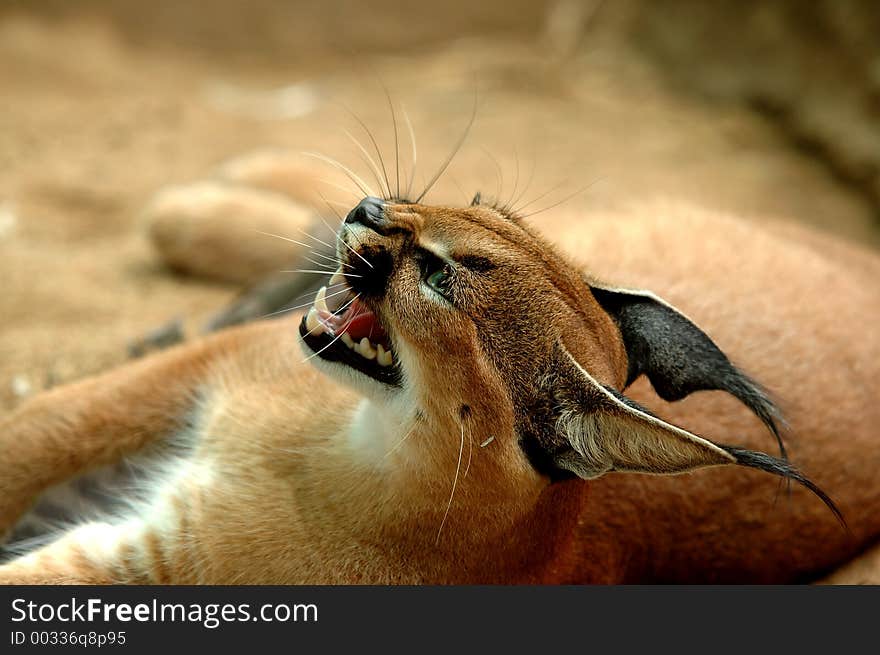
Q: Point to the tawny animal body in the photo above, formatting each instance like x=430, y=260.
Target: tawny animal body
x=294, y=473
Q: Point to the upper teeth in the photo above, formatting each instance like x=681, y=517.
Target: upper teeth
x=365, y=348
x=321, y=300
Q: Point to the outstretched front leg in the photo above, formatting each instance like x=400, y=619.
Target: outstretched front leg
x=78, y=427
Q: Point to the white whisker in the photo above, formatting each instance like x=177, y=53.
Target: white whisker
x=341, y=332
x=499, y=174
x=338, y=186
x=513, y=201
x=459, y=187
x=565, y=199
x=375, y=145
x=278, y=236
x=373, y=165
x=346, y=306
x=344, y=243
x=324, y=265
x=308, y=270
x=295, y=307
x=314, y=238
x=400, y=443
x=337, y=337
x=331, y=259
x=515, y=177
x=354, y=177
x=454, y=484
x=452, y=154
x=540, y=197
x=306, y=304
x=282, y=311
x=396, y=142
x=470, y=451
x=412, y=140
x=339, y=239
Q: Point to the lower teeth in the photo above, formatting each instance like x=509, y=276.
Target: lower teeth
x=365, y=348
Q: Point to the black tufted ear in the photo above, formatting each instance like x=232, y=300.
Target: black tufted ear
x=599, y=430
x=677, y=356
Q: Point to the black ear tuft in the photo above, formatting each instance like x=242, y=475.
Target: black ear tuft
x=478, y=197
x=784, y=469
x=677, y=356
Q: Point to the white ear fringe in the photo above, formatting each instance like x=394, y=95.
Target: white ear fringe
x=627, y=439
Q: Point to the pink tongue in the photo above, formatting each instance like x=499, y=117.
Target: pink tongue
x=358, y=322
x=364, y=325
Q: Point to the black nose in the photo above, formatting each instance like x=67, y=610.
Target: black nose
x=370, y=212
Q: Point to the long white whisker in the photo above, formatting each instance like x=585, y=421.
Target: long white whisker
x=400, y=443
x=515, y=178
x=459, y=187
x=339, y=239
x=286, y=309
x=373, y=165
x=565, y=199
x=356, y=253
x=499, y=174
x=375, y=145
x=333, y=231
x=309, y=270
x=555, y=187
x=412, y=140
x=470, y=450
x=311, y=248
x=452, y=154
x=338, y=186
x=305, y=304
x=316, y=239
x=342, y=330
x=396, y=141
x=513, y=201
x=337, y=337
x=324, y=265
x=354, y=177
x=331, y=259
x=278, y=236
x=346, y=306
x=454, y=484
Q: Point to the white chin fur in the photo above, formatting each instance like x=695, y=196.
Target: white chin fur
x=351, y=377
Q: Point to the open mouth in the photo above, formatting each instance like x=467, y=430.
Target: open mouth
x=339, y=327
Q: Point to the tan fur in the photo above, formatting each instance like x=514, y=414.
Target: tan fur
x=297, y=478
x=221, y=224
x=864, y=569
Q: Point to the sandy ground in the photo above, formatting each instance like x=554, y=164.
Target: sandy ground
x=93, y=122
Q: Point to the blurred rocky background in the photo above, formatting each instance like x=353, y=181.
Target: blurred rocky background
x=770, y=110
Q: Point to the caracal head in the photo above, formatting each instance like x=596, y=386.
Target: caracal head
x=471, y=325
